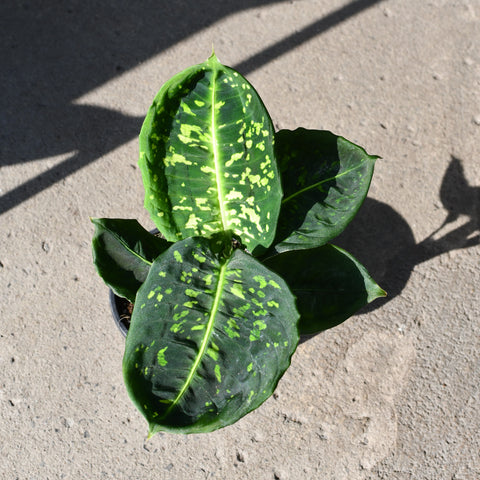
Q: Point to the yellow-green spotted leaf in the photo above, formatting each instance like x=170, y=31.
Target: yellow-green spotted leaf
x=207, y=158
x=209, y=338
x=329, y=284
x=123, y=252
x=325, y=180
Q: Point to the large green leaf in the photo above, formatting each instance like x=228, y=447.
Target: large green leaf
x=209, y=338
x=123, y=252
x=325, y=180
x=330, y=285
x=207, y=159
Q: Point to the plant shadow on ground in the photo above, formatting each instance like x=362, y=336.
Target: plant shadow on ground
x=56, y=53
x=389, y=250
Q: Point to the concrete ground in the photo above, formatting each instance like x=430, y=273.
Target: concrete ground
x=393, y=393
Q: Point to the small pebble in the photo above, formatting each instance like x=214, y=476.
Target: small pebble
x=476, y=119
x=68, y=422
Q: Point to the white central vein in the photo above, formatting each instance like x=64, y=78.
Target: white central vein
x=206, y=338
x=216, y=157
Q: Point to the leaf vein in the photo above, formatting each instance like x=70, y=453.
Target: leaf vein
x=206, y=338
x=315, y=185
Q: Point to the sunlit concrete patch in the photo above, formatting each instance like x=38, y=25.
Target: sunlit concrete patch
x=366, y=385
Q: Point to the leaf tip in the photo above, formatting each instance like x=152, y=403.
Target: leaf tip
x=152, y=431
x=213, y=57
x=378, y=293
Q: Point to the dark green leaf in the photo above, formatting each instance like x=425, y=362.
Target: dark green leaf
x=325, y=180
x=330, y=285
x=123, y=252
x=209, y=339
x=207, y=159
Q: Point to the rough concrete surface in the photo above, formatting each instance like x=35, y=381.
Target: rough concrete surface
x=393, y=393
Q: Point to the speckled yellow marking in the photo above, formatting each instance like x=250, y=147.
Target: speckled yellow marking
x=261, y=280
x=198, y=327
x=237, y=291
x=192, y=222
x=202, y=204
x=212, y=353
x=175, y=158
x=161, y=357
x=199, y=258
x=183, y=207
x=234, y=195
x=274, y=284
x=218, y=375
x=187, y=109
x=207, y=169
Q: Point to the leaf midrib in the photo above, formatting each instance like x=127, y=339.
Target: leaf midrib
x=315, y=185
x=206, y=338
x=216, y=154
x=129, y=249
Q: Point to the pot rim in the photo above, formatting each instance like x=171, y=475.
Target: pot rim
x=116, y=315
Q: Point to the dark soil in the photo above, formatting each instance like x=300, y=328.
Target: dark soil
x=125, y=309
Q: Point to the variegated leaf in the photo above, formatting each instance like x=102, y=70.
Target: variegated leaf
x=207, y=158
x=209, y=338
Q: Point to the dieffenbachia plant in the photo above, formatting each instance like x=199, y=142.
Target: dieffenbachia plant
x=244, y=265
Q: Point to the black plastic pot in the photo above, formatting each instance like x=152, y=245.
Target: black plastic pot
x=119, y=305
x=119, y=308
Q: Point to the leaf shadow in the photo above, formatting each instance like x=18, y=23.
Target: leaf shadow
x=389, y=250
x=57, y=53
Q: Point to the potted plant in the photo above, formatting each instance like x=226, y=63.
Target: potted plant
x=243, y=266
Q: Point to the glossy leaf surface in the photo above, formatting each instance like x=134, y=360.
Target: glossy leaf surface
x=325, y=180
x=123, y=252
x=330, y=285
x=209, y=338
x=207, y=159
